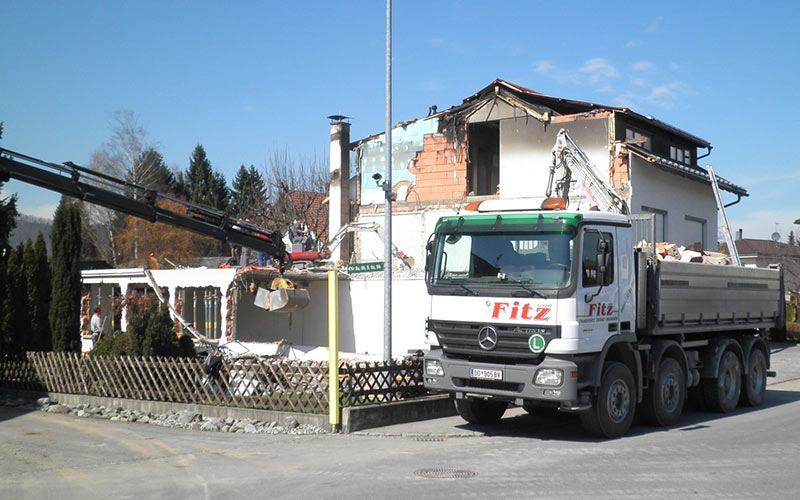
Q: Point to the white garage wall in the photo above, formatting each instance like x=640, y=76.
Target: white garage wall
x=360, y=317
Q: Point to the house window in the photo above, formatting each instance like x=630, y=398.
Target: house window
x=634, y=136
x=660, y=220
x=484, y=158
x=680, y=155
x=695, y=235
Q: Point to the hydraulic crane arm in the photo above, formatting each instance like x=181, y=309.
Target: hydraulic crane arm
x=104, y=190
x=577, y=166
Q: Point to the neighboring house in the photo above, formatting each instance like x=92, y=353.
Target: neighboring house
x=772, y=254
x=497, y=144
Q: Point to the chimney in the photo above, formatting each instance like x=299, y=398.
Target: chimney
x=339, y=196
x=739, y=234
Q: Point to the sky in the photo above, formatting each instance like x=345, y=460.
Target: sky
x=245, y=79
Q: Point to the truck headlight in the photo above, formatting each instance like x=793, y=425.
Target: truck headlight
x=548, y=376
x=433, y=367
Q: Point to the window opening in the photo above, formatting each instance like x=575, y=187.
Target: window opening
x=484, y=158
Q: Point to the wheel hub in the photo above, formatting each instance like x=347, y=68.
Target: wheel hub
x=618, y=401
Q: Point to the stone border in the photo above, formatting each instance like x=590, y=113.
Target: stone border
x=354, y=418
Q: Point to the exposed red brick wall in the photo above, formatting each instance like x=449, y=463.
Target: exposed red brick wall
x=620, y=175
x=434, y=168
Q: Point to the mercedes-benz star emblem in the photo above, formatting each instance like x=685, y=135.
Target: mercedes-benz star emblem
x=487, y=338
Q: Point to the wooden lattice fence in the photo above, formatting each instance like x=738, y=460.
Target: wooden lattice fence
x=273, y=384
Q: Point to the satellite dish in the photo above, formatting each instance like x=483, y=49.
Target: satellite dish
x=776, y=236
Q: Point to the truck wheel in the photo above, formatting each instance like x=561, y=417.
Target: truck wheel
x=754, y=384
x=614, y=404
x=663, y=400
x=722, y=393
x=476, y=411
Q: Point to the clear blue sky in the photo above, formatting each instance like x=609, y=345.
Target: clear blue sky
x=245, y=78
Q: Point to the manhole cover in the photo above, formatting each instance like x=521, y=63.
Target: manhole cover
x=444, y=473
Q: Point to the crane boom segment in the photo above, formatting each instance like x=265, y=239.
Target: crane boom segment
x=131, y=199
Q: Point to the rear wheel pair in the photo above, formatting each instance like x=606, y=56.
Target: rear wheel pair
x=731, y=388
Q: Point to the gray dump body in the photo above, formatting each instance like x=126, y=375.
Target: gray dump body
x=684, y=297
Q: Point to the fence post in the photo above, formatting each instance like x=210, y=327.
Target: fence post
x=333, y=348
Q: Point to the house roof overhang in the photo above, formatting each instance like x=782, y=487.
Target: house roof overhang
x=690, y=171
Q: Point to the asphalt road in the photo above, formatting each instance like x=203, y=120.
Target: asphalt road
x=746, y=454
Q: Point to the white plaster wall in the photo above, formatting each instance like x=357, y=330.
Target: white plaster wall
x=360, y=317
x=526, y=152
x=678, y=196
x=410, y=232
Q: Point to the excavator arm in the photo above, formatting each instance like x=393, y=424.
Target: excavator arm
x=578, y=168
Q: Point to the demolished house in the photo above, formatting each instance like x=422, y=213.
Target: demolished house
x=495, y=145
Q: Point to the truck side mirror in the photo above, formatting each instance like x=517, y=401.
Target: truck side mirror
x=429, y=256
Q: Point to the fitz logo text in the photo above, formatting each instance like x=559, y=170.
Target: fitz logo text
x=515, y=310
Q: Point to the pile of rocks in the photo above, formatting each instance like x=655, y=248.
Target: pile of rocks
x=185, y=419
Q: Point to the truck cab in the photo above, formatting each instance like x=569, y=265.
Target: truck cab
x=517, y=297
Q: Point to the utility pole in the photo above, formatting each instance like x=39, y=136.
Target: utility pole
x=387, y=191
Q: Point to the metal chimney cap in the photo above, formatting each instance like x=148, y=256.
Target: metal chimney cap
x=338, y=118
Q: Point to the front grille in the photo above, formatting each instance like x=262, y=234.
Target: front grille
x=460, y=340
x=488, y=384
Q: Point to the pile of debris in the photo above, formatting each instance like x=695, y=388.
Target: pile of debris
x=186, y=419
x=673, y=253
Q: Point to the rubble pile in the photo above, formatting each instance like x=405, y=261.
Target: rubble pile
x=185, y=419
x=673, y=253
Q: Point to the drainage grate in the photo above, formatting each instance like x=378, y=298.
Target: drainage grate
x=444, y=473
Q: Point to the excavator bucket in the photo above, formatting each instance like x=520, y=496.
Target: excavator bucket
x=282, y=299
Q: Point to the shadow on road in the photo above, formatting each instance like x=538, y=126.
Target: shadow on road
x=567, y=427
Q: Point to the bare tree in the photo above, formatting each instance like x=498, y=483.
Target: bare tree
x=126, y=155
x=296, y=190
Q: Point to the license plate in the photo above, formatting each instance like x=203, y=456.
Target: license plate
x=486, y=374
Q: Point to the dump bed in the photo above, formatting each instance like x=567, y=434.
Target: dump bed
x=685, y=297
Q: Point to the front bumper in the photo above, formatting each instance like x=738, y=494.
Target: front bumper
x=517, y=382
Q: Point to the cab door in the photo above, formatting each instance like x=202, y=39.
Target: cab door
x=598, y=293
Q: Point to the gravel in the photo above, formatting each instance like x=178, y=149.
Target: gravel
x=185, y=419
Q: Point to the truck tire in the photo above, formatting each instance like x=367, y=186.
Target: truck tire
x=754, y=384
x=614, y=405
x=663, y=401
x=721, y=394
x=477, y=411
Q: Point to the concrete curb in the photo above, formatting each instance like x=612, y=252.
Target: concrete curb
x=356, y=418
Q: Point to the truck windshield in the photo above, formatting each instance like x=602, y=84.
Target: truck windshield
x=541, y=260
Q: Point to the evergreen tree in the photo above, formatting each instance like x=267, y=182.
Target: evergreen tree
x=15, y=324
x=8, y=215
x=65, y=240
x=792, y=240
x=249, y=194
x=137, y=326
x=201, y=184
x=159, y=338
x=37, y=277
x=154, y=173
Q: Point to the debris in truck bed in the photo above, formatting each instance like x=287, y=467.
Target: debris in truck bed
x=673, y=253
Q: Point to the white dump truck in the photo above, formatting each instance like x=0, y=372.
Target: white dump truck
x=556, y=310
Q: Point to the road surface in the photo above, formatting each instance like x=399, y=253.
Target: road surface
x=751, y=453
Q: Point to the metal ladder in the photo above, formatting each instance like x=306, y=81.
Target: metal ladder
x=726, y=228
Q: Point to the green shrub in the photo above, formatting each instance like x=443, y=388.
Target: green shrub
x=186, y=346
x=117, y=344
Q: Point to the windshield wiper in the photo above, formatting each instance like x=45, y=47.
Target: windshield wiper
x=522, y=285
x=468, y=290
